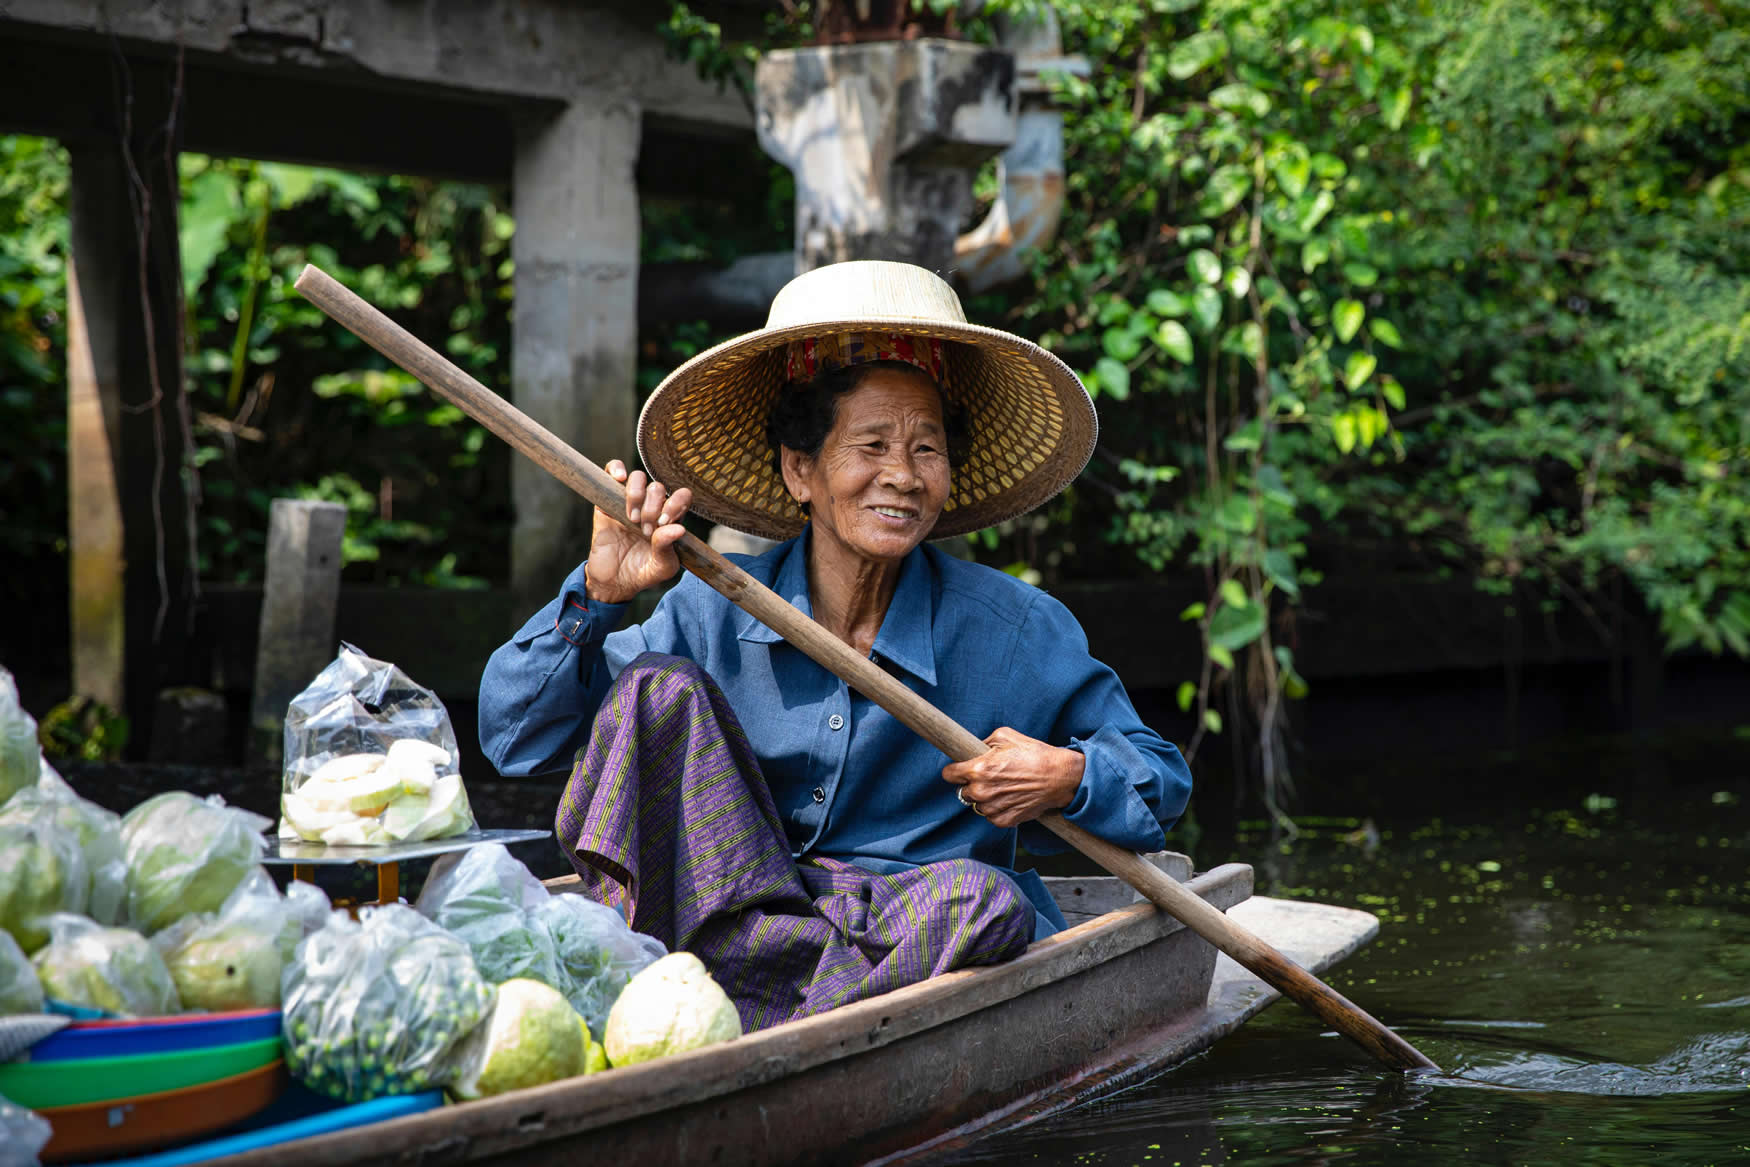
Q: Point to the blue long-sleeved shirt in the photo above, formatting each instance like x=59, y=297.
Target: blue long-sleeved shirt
x=851, y=781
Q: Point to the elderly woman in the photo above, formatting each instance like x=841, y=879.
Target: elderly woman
x=736, y=798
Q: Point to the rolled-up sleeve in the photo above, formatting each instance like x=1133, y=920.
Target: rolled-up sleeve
x=1135, y=784
x=541, y=689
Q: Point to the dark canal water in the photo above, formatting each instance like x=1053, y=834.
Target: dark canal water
x=1569, y=938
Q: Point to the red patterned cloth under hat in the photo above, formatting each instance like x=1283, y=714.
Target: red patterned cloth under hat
x=813, y=355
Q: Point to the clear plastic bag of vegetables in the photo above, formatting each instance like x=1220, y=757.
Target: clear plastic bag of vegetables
x=374, y=1006
x=113, y=969
x=517, y=929
x=597, y=952
x=23, y=1135
x=234, y=958
x=485, y=896
x=53, y=805
x=370, y=758
x=42, y=871
x=20, y=756
x=20, y=991
x=186, y=855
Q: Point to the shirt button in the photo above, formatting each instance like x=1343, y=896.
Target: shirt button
x=835, y=722
x=819, y=794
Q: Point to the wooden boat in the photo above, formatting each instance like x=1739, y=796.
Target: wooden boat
x=1124, y=993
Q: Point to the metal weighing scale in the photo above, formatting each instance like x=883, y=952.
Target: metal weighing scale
x=387, y=859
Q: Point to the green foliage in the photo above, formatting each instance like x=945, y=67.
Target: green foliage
x=81, y=727
x=1414, y=287
x=410, y=469
x=33, y=346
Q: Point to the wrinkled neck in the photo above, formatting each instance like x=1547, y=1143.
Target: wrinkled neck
x=850, y=593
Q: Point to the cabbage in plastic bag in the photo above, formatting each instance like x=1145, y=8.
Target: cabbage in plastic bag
x=53, y=805
x=488, y=899
x=19, y=752
x=233, y=959
x=113, y=969
x=20, y=991
x=23, y=1134
x=598, y=953
x=186, y=855
x=517, y=929
x=375, y=1006
x=42, y=871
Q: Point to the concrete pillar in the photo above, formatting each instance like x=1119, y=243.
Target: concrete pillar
x=299, y=597
x=123, y=221
x=94, y=509
x=574, y=336
x=884, y=139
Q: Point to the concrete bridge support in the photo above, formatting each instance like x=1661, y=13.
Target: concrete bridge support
x=575, y=333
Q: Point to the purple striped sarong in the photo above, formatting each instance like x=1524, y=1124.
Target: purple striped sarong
x=667, y=816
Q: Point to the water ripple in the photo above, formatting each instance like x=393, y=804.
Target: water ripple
x=1713, y=1062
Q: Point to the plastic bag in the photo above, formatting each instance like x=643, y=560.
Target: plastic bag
x=113, y=969
x=374, y=1006
x=307, y=909
x=42, y=871
x=186, y=855
x=233, y=959
x=23, y=1134
x=489, y=899
x=597, y=952
x=370, y=757
x=20, y=991
x=53, y=805
x=19, y=754
x=515, y=928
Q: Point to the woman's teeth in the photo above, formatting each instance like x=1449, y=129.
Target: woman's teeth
x=893, y=512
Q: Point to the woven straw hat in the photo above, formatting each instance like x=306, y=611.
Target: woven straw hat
x=1032, y=424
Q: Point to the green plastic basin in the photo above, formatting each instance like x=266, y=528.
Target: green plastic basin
x=77, y=1081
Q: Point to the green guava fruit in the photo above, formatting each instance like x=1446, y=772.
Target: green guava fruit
x=531, y=1037
x=41, y=872
x=220, y=969
x=670, y=1007
x=113, y=969
x=185, y=855
x=20, y=991
x=20, y=756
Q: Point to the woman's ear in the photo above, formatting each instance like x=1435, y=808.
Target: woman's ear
x=798, y=468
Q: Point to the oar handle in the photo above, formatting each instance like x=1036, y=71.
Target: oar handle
x=595, y=484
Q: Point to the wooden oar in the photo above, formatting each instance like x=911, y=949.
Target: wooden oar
x=596, y=485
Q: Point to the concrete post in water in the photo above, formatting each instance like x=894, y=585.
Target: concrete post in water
x=298, y=602
x=574, y=338
x=884, y=139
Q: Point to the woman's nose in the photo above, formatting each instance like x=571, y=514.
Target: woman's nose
x=900, y=471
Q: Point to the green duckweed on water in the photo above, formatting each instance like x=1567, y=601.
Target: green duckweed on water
x=1581, y=973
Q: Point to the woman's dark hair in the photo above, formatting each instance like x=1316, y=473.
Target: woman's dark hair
x=804, y=412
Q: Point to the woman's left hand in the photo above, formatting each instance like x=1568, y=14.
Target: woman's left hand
x=1020, y=778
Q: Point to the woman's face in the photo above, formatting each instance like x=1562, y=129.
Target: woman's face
x=881, y=479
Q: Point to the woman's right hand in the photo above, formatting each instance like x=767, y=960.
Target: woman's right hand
x=623, y=561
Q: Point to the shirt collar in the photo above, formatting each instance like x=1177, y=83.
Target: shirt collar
x=906, y=638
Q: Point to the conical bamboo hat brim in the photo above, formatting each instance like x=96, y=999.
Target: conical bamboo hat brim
x=1032, y=423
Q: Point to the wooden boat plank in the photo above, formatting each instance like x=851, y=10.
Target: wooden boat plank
x=1313, y=935
x=1121, y=947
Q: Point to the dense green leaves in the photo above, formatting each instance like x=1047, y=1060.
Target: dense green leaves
x=1433, y=287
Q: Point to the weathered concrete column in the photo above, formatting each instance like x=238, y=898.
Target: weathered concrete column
x=94, y=510
x=574, y=337
x=884, y=139
x=123, y=224
x=299, y=597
